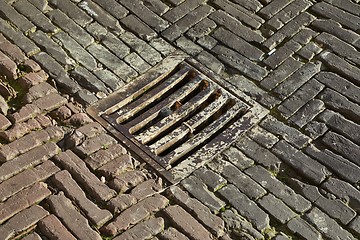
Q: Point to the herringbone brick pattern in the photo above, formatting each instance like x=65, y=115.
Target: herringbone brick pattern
x=295, y=175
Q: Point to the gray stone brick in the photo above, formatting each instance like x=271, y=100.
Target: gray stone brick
x=239, y=226
x=73, y=11
x=339, y=165
x=235, y=26
x=338, y=46
x=340, y=85
x=287, y=133
x=117, y=66
x=110, y=79
x=355, y=225
x=103, y=17
x=309, y=51
x=75, y=50
x=287, y=14
x=348, y=6
x=327, y=226
x=180, y=11
x=236, y=157
x=315, y=129
x=16, y=36
x=340, y=124
x=21, y=22
x=136, y=62
x=261, y=155
x=57, y=72
x=252, y=6
x=160, y=45
x=240, y=63
x=204, y=27
x=53, y=49
x=335, y=29
x=213, y=180
x=210, y=61
x=343, y=190
x=343, y=146
x=240, y=13
x=304, y=94
x=243, y=182
x=300, y=227
x=253, y=90
x=188, y=46
x=245, y=207
x=69, y=26
x=338, y=15
x=308, y=167
x=281, y=73
x=140, y=28
x=145, y=14
x=185, y=23
x=295, y=201
x=335, y=208
x=276, y=208
x=199, y=190
x=40, y=4
x=292, y=83
x=281, y=54
x=149, y=54
x=289, y=30
x=262, y=137
x=307, y=112
x=238, y=44
x=88, y=80
x=113, y=7
x=157, y=6
x=273, y=8
x=207, y=42
x=36, y=16
x=341, y=66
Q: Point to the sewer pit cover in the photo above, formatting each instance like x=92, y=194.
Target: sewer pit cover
x=177, y=116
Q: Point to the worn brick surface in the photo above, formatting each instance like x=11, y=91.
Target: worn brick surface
x=292, y=176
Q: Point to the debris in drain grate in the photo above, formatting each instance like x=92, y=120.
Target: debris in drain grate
x=175, y=115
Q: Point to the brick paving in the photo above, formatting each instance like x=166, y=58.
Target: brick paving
x=295, y=175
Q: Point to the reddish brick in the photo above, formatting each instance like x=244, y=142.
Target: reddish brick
x=26, y=179
x=7, y=67
x=121, y=202
x=11, y=50
x=94, y=144
x=79, y=119
x=22, y=200
x=199, y=210
x=147, y=188
x=135, y=214
x=22, y=221
x=116, y=166
x=186, y=223
x=27, y=160
x=61, y=114
x=39, y=91
x=66, y=183
x=32, y=79
x=127, y=180
x=84, y=177
x=52, y=228
x=4, y=122
x=29, y=142
x=4, y=107
x=87, y=131
x=20, y=129
x=171, y=233
x=44, y=121
x=144, y=230
x=50, y=102
x=104, y=156
x=31, y=66
x=32, y=236
x=25, y=113
x=72, y=219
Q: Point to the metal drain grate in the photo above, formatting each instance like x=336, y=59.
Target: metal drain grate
x=175, y=117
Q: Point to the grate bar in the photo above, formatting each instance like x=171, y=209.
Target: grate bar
x=178, y=115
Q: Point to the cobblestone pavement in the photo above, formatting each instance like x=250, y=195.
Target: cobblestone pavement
x=294, y=175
